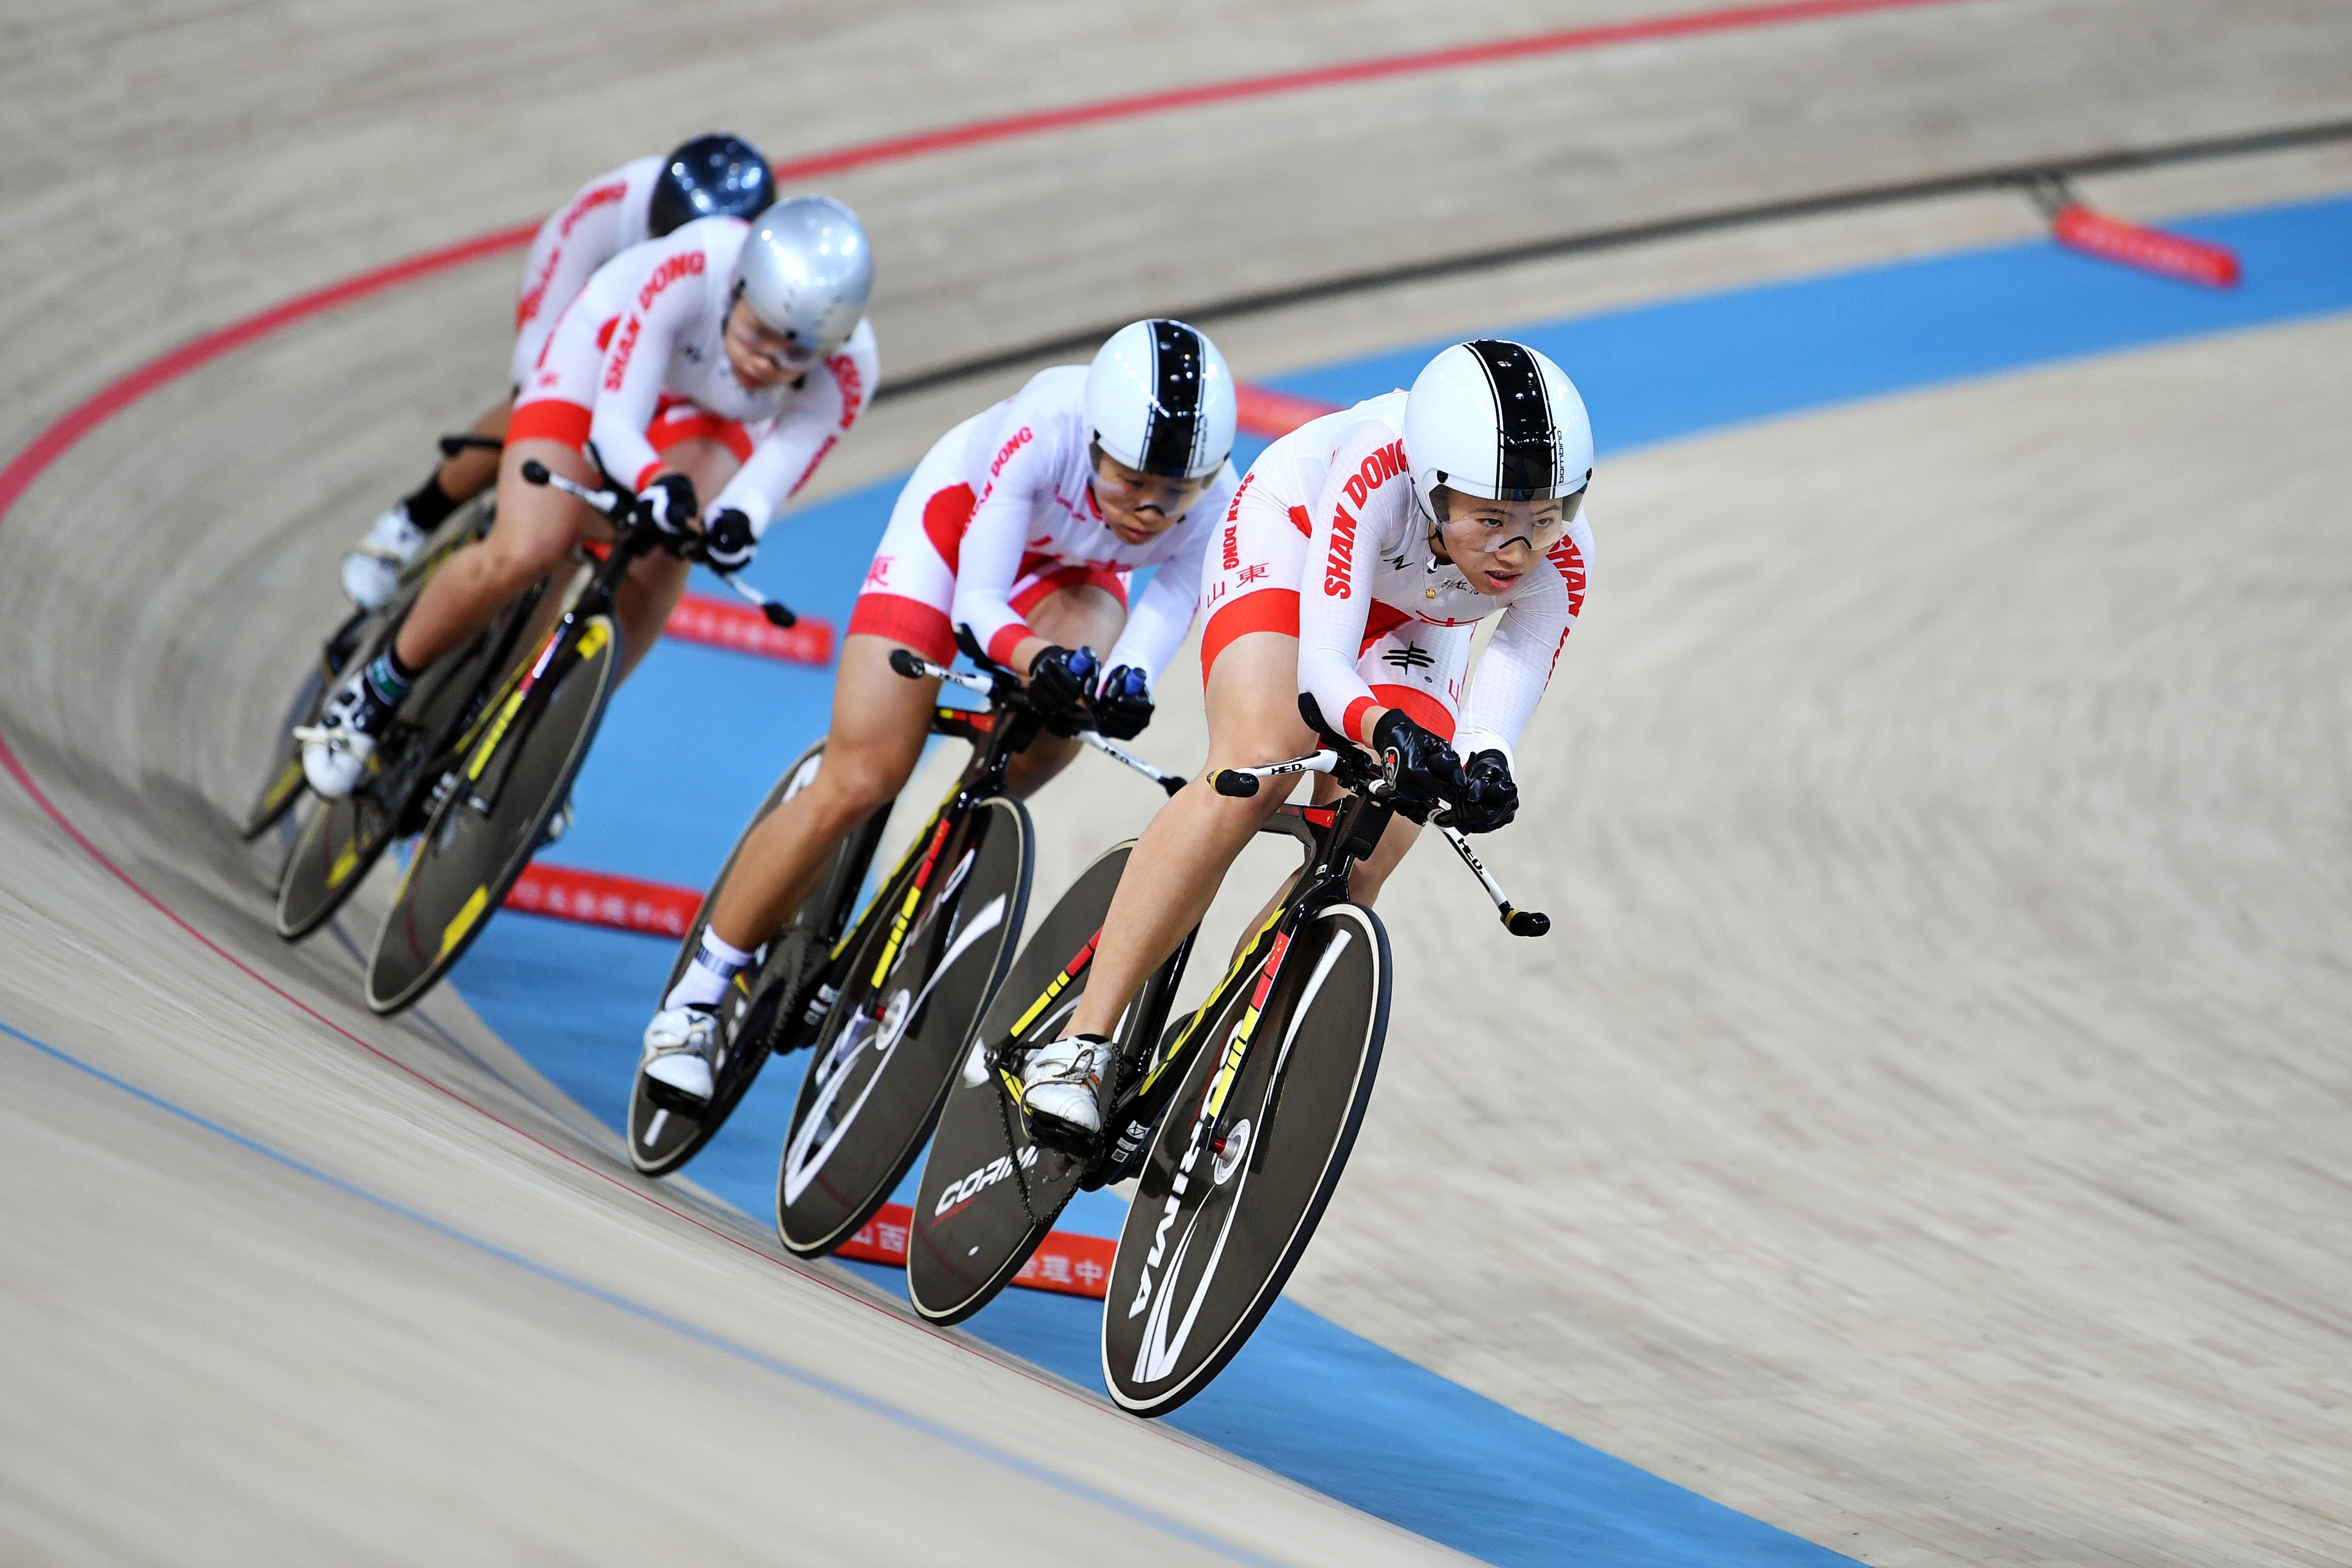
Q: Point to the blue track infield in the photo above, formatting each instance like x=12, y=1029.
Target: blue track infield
x=661, y=797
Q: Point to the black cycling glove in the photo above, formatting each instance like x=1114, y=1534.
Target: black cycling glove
x=1122, y=704
x=1490, y=799
x=1060, y=681
x=1422, y=764
x=668, y=504
x=726, y=542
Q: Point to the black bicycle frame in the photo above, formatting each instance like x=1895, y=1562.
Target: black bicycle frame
x=1337, y=836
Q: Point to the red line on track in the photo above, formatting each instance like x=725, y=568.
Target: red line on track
x=80, y=421
x=1570, y=40
x=110, y=399
x=60, y=436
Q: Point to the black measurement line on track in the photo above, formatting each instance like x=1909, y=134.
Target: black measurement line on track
x=2025, y=178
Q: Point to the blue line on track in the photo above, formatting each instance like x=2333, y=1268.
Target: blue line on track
x=1307, y=1398
x=815, y=1381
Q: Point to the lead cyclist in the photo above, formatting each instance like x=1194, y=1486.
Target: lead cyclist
x=728, y=357
x=1357, y=560
x=715, y=176
x=1022, y=523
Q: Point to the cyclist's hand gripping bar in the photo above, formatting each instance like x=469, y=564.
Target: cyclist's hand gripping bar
x=1241, y=783
x=915, y=667
x=613, y=504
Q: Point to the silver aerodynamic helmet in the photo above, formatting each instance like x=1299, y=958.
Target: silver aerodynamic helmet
x=806, y=271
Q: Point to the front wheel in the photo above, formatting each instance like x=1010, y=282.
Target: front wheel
x=767, y=1008
x=1244, y=1162
x=498, y=801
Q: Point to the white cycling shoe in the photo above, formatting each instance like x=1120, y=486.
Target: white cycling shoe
x=1061, y=1086
x=337, y=749
x=372, y=572
x=680, y=1043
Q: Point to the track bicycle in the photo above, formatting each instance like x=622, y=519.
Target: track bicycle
x=491, y=792
x=339, y=841
x=888, y=1010
x=1235, y=1121
x=362, y=633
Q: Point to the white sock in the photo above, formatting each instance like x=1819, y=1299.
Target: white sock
x=716, y=965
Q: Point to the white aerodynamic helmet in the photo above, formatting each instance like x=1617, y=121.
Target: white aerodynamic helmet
x=1499, y=421
x=806, y=271
x=1160, y=399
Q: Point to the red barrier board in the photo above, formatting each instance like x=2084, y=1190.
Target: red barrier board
x=1265, y=411
x=722, y=624
x=595, y=898
x=1069, y=1264
x=2079, y=228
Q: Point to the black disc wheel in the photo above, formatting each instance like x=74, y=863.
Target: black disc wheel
x=921, y=969
x=768, y=1008
x=339, y=841
x=493, y=810
x=1244, y=1161
x=281, y=782
x=988, y=1195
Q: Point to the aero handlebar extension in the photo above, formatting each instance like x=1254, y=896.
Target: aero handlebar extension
x=613, y=503
x=1241, y=783
x=915, y=667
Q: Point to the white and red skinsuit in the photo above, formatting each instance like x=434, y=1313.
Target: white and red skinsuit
x=1327, y=543
x=637, y=363
x=610, y=214
x=1001, y=512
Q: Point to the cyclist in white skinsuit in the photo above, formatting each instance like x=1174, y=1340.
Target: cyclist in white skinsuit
x=646, y=198
x=1353, y=568
x=1024, y=523
x=728, y=357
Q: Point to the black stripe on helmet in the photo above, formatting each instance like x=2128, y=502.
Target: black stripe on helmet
x=1527, y=454
x=1179, y=369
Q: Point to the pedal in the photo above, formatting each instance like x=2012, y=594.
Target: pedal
x=1063, y=1139
x=668, y=1099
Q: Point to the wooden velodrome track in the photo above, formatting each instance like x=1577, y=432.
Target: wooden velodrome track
x=1925, y=1131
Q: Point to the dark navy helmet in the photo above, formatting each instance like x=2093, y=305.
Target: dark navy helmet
x=710, y=176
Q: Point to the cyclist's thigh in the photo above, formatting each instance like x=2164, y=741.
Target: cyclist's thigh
x=910, y=587
x=536, y=524
x=1249, y=648
x=1081, y=614
x=1253, y=703
x=708, y=460
x=880, y=720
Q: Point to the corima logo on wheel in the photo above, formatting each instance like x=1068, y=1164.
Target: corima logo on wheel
x=960, y=1193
